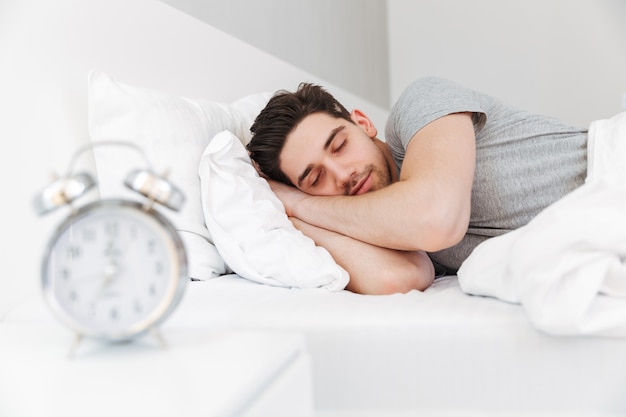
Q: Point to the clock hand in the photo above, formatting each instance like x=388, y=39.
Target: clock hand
x=111, y=270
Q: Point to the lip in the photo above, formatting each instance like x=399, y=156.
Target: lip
x=362, y=186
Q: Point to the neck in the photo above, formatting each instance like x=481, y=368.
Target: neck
x=391, y=165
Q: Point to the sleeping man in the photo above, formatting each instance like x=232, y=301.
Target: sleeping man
x=456, y=168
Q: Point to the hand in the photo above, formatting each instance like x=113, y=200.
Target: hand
x=111, y=271
x=287, y=194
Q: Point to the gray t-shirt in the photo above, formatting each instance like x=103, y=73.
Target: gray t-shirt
x=524, y=162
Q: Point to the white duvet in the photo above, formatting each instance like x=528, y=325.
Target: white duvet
x=567, y=267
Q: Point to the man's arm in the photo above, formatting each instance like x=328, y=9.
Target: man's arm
x=427, y=209
x=372, y=269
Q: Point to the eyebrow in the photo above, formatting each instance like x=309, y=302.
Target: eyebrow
x=309, y=168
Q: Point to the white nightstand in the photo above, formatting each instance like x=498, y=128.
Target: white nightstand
x=201, y=373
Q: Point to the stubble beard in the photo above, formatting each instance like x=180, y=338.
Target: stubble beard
x=381, y=175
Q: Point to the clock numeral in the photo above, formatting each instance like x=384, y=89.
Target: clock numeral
x=137, y=307
x=152, y=290
x=151, y=246
x=73, y=296
x=73, y=251
x=158, y=268
x=114, y=314
x=133, y=232
x=65, y=274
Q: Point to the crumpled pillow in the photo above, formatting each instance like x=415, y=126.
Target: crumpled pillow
x=249, y=225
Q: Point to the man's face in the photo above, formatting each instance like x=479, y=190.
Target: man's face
x=325, y=155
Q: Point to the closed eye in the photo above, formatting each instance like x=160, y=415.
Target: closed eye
x=341, y=146
x=316, y=179
x=331, y=138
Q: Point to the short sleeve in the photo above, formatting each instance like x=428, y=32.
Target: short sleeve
x=424, y=101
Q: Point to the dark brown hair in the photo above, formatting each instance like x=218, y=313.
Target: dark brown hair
x=281, y=115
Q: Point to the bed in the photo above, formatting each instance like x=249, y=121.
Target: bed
x=440, y=352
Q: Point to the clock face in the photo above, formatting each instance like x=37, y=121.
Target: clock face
x=113, y=270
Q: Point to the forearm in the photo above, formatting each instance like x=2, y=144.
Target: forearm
x=373, y=269
x=392, y=217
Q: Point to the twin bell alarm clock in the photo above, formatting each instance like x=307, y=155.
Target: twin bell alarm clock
x=113, y=269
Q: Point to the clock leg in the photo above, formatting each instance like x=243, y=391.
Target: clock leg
x=154, y=331
x=77, y=339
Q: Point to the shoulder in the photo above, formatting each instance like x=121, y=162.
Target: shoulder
x=434, y=93
x=425, y=100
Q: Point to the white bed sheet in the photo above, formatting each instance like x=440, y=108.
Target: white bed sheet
x=440, y=350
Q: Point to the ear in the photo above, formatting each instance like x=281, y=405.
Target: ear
x=364, y=122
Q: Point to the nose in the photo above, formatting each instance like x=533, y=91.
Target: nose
x=343, y=174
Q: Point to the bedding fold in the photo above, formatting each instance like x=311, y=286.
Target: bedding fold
x=567, y=267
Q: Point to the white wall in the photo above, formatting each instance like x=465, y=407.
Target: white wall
x=565, y=58
x=342, y=41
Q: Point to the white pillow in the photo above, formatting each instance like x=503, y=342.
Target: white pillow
x=173, y=132
x=250, y=228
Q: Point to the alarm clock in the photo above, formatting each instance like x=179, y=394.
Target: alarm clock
x=113, y=269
